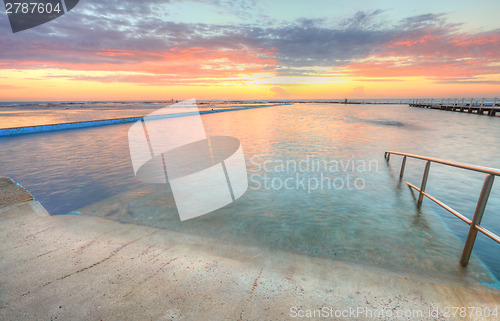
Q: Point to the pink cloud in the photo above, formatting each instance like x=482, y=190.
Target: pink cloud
x=175, y=65
x=435, y=55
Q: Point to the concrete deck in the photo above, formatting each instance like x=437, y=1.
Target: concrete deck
x=83, y=267
x=11, y=193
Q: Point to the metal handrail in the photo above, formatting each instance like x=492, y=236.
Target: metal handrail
x=481, y=203
x=471, y=167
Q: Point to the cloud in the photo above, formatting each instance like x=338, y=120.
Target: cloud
x=362, y=20
x=279, y=93
x=378, y=79
x=428, y=20
x=433, y=53
x=466, y=81
x=357, y=92
x=9, y=87
x=126, y=37
x=301, y=43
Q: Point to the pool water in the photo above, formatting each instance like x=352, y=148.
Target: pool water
x=37, y=114
x=318, y=182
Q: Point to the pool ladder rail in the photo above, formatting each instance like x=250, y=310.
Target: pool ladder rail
x=475, y=223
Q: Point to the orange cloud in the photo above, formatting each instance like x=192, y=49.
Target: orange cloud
x=177, y=65
x=434, y=56
x=279, y=93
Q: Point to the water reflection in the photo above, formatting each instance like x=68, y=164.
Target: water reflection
x=378, y=224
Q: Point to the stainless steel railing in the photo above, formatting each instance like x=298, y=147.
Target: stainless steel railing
x=475, y=223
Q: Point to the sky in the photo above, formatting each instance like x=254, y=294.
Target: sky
x=255, y=49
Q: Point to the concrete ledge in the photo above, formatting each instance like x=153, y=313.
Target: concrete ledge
x=12, y=193
x=104, y=122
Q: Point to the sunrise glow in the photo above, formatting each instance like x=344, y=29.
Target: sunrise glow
x=185, y=49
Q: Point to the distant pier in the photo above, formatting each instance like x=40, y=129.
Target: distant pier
x=482, y=106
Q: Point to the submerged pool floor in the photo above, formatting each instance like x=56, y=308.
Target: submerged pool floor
x=405, y=241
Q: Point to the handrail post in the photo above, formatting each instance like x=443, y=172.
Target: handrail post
x=476, y=220
x=387, y=156
x=403, y=164
x=424, y=183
